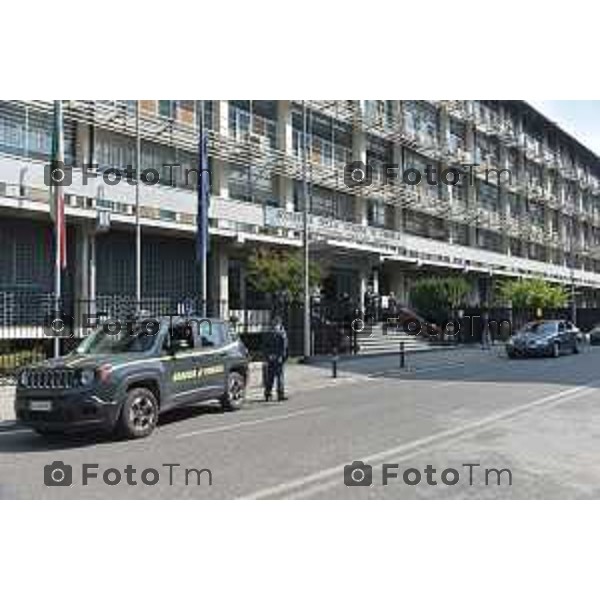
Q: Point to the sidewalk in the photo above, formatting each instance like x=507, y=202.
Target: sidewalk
x=304, y=377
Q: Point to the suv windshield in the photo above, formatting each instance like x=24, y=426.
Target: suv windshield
x=543, y=328
x=101, y=342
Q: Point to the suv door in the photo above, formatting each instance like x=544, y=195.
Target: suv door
x=211, y=361
x=183, y=380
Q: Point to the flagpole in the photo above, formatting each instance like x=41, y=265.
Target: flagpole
x=203, y=204
x=138, y=227
x=58, y=228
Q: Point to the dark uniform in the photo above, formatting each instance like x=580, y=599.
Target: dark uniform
x=276, y=353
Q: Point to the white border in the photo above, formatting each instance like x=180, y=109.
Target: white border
x=299, y=550
x=260, y=49
x=313, y=49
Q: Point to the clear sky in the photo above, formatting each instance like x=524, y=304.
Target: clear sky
x=580, y=118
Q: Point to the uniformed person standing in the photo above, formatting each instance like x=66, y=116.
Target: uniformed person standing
x=276, y=353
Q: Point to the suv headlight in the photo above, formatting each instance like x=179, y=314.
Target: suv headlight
x=86, y=376
x=23, y=378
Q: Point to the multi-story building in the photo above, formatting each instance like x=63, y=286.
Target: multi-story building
x=544, y=221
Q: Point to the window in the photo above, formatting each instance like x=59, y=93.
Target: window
x=181, y=337
x=376, y=213
x=209, y=334
x=167, y=108
x=488, y=196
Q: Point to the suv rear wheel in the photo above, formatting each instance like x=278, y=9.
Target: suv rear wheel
x=236, y=392
x=139, y=414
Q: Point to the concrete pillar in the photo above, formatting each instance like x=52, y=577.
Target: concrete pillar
x=471, y=189
x=398, y=209
x=220, y=282
x=285, y=143
x=503, y=196
x=85, y=154
x=444, y=128
x=82, y=144
x=85, y=273
x=444, y=136
x=375, y=274
x=220, y=184
x=363, y=279
x=359, y=153
x=562, y=225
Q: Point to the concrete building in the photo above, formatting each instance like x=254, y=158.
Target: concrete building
x=544, y=222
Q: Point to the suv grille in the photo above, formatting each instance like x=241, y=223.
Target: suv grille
x=48, y=378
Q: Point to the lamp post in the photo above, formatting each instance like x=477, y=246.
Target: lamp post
x=138, y=227
x=305, y=238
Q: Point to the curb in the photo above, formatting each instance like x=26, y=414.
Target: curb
x=321, y=358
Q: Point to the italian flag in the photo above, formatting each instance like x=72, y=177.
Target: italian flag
x=57, y=196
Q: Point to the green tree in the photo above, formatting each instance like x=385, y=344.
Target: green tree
x=533, y=293
x=280, y=272
x=436, y=298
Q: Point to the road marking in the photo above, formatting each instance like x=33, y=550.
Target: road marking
x=293, y=488
x=287, y=415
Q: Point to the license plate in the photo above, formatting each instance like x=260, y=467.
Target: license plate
x=41, y=405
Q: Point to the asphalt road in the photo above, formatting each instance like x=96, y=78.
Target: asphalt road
x=537, y=418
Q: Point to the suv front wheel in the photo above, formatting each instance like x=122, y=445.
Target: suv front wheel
x=139, y=414
x=235, y=395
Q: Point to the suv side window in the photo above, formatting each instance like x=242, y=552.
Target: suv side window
x=180, y=337
x=210, y=334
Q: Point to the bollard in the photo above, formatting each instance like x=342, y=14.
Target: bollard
x=334, y=364
x=402, y=356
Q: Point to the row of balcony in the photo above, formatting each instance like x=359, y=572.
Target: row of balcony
x=260, y=136
x=251, y=149
x=121, y=113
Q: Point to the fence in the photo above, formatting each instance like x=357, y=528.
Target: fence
x=26, y=332
x=28, y=322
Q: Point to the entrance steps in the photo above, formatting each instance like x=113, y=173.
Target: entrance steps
x=375, y=341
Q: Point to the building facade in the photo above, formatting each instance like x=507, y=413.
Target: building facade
x=541, y=221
